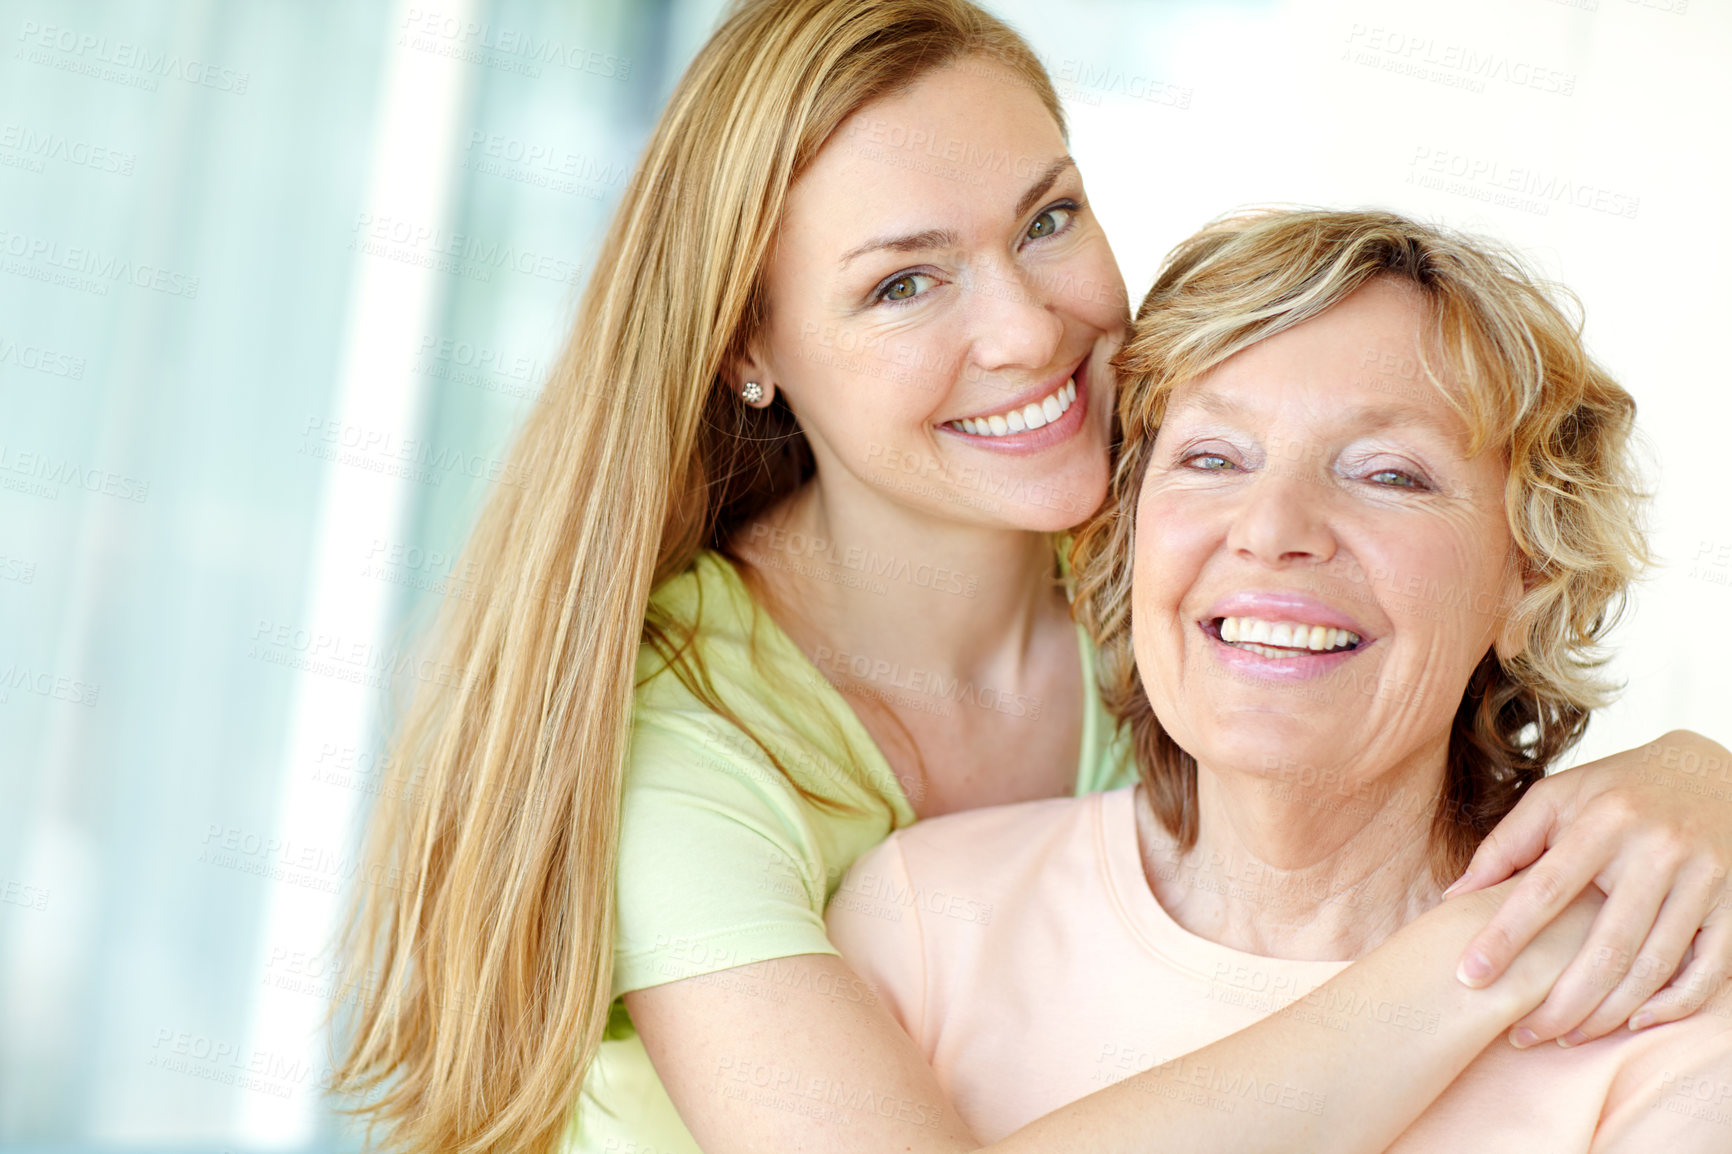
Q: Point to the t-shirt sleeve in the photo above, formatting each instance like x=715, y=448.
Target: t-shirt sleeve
x=875, y=921
x=718, y=864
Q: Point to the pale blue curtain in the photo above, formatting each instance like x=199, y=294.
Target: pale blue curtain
x=180, y=185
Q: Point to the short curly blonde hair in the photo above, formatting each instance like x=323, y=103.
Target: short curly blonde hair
x=1523, y=383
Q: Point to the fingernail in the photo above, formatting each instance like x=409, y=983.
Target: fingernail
x=1573, y=1038
x=1457, y=883
x=1641, y=1021
x=1474, y=970
x=1523, y=1038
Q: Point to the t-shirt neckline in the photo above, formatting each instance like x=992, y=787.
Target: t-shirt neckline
x=1094, y=710
x=1150, y=923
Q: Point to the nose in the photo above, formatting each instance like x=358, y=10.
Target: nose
x=1282, y=519
x=1014, y=322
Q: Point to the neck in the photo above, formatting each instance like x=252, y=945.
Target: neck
x=1286, y=870
x=880, y=585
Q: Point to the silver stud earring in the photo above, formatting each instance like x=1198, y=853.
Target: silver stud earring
x=752, y=393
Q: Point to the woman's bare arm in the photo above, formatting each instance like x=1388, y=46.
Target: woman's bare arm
x=798, y=1054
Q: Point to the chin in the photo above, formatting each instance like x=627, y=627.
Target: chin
x=1263, y=744
x=1050, y=500
x=1077, y=494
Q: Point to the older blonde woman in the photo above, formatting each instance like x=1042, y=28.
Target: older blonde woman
x=1361, y=620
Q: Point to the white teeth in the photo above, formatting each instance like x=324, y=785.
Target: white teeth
x=1280, y=638
x=1266, y=650
x=1034, y=415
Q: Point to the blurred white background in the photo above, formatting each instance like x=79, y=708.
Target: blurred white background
x=277, y=281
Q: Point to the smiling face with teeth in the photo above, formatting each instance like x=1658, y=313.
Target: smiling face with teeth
x=942, y=306
x=1277, y=482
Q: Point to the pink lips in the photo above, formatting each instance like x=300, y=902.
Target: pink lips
x=1034, y=440
x=1281, y=606
x=1284, y=606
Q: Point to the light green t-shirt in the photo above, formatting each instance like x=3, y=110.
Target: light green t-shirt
x=722, y=861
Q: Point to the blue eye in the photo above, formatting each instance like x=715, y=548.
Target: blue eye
x=1050, y=221
x=1395, y=478
x=1212, y=462
x=901, y=287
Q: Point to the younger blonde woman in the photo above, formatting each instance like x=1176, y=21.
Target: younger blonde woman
x=783, y=580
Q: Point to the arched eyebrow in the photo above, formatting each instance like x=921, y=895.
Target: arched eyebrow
x=1043, y=183
x=932, y=238
x=912, y=242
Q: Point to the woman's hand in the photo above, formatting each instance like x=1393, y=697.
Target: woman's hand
x=1653, y=828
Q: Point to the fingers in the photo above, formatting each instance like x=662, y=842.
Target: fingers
x=1658, y=958
x=1703, y=975
x=1538, y=898
x=1618, y=932
x=1517, y=842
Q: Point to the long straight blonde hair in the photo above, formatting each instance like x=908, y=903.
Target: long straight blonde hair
x=478, y=951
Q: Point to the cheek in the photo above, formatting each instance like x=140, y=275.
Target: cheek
x=1446, y=581
x=854, y=381
x=1092, y=288
x=1171, y=547
x=1176, y=533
